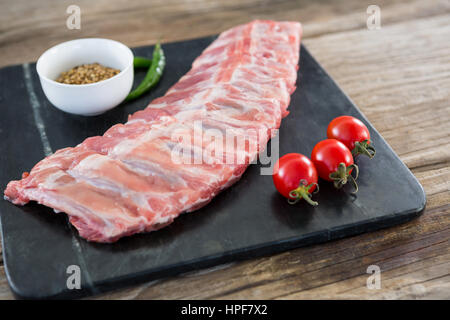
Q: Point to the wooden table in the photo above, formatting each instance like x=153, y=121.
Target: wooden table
x=398, y=75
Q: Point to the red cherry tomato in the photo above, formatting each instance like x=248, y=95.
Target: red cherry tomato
x=295, y=177
x=334, y=162
x=353, y=133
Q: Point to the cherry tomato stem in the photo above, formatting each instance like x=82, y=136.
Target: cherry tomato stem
x=343, y=174
x=365, y=148
x=302, y=192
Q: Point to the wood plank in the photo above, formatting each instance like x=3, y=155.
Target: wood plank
x=5, y=292
x=431, y=282
x=27, y=29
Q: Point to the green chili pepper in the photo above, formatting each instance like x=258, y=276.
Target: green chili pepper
x=153, y=74
x=141, y=62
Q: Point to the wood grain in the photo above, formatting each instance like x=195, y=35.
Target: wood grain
x=399, y=76
x=27, y=28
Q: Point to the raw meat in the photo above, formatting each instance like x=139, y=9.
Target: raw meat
x=129, y=181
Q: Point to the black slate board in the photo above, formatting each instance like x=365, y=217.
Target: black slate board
x=248, y=220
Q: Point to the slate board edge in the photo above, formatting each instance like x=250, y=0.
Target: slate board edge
x=264, y=250
x=250, y=252
x=227, y=257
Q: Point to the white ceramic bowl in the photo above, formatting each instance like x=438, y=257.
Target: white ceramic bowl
x=86, y=99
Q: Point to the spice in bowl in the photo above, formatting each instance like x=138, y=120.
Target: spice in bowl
x=87, y=73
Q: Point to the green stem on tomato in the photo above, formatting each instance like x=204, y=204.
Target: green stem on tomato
x=302, y=192
x=365, y=148
x=153, y=74
x=343, y=174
